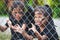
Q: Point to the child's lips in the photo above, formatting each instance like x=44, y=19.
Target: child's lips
x=18, y=18
x=38, y=23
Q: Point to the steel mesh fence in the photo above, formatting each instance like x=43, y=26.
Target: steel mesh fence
x=30, y=19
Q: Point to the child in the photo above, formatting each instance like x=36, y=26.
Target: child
x=44, y=21
x=20, y=22
x=16, y=15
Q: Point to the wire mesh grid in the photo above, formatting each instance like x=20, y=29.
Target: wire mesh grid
x=30, y=19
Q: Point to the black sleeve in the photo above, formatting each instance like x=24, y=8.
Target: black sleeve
x=7, y=24
x=11, y=19
x=30, y=32
x=37, y=28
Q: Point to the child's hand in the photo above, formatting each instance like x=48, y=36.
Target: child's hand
x=33, y=27
x=44, y=37
x=24, y=26
x=30, y=37
x=17, y=28
x=9, y=23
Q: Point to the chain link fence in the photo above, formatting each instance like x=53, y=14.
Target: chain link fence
x=30, y=19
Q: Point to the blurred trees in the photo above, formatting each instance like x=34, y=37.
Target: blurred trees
x=2, y=8
x=54, y=4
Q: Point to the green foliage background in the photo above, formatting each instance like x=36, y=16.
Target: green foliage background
x=54, y=4
x=2, y=8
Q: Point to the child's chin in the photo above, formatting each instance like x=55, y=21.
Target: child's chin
x=18, y=19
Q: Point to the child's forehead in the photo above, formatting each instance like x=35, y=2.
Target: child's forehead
x=17, y=9
x=38, y=13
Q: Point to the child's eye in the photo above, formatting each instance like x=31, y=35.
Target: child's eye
x=20, y=12
x=15, y=12
x=43, y=19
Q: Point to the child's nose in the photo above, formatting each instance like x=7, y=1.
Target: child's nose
x=40, y=19
x=37, y=19
x=17, y=14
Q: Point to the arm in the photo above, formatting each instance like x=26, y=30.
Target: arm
x=38, y=35
x=17, y=28
x=28, y=37
x=3, y=28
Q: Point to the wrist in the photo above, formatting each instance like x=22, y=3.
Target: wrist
x=35, y=31
x=22, y=31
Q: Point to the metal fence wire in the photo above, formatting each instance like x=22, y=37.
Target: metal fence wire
x=30, y=19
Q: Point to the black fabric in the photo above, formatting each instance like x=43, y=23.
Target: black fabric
x=28, y=18
x=16, y=35
x=7, y=24
x=32, y=33
x=50, y=31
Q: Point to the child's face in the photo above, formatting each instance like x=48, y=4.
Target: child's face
x=39, y=19
x=17, y=13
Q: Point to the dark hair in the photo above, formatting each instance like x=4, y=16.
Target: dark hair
x=48, y=9
x=17, y=4
x=41, y=10
x=6, y=2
